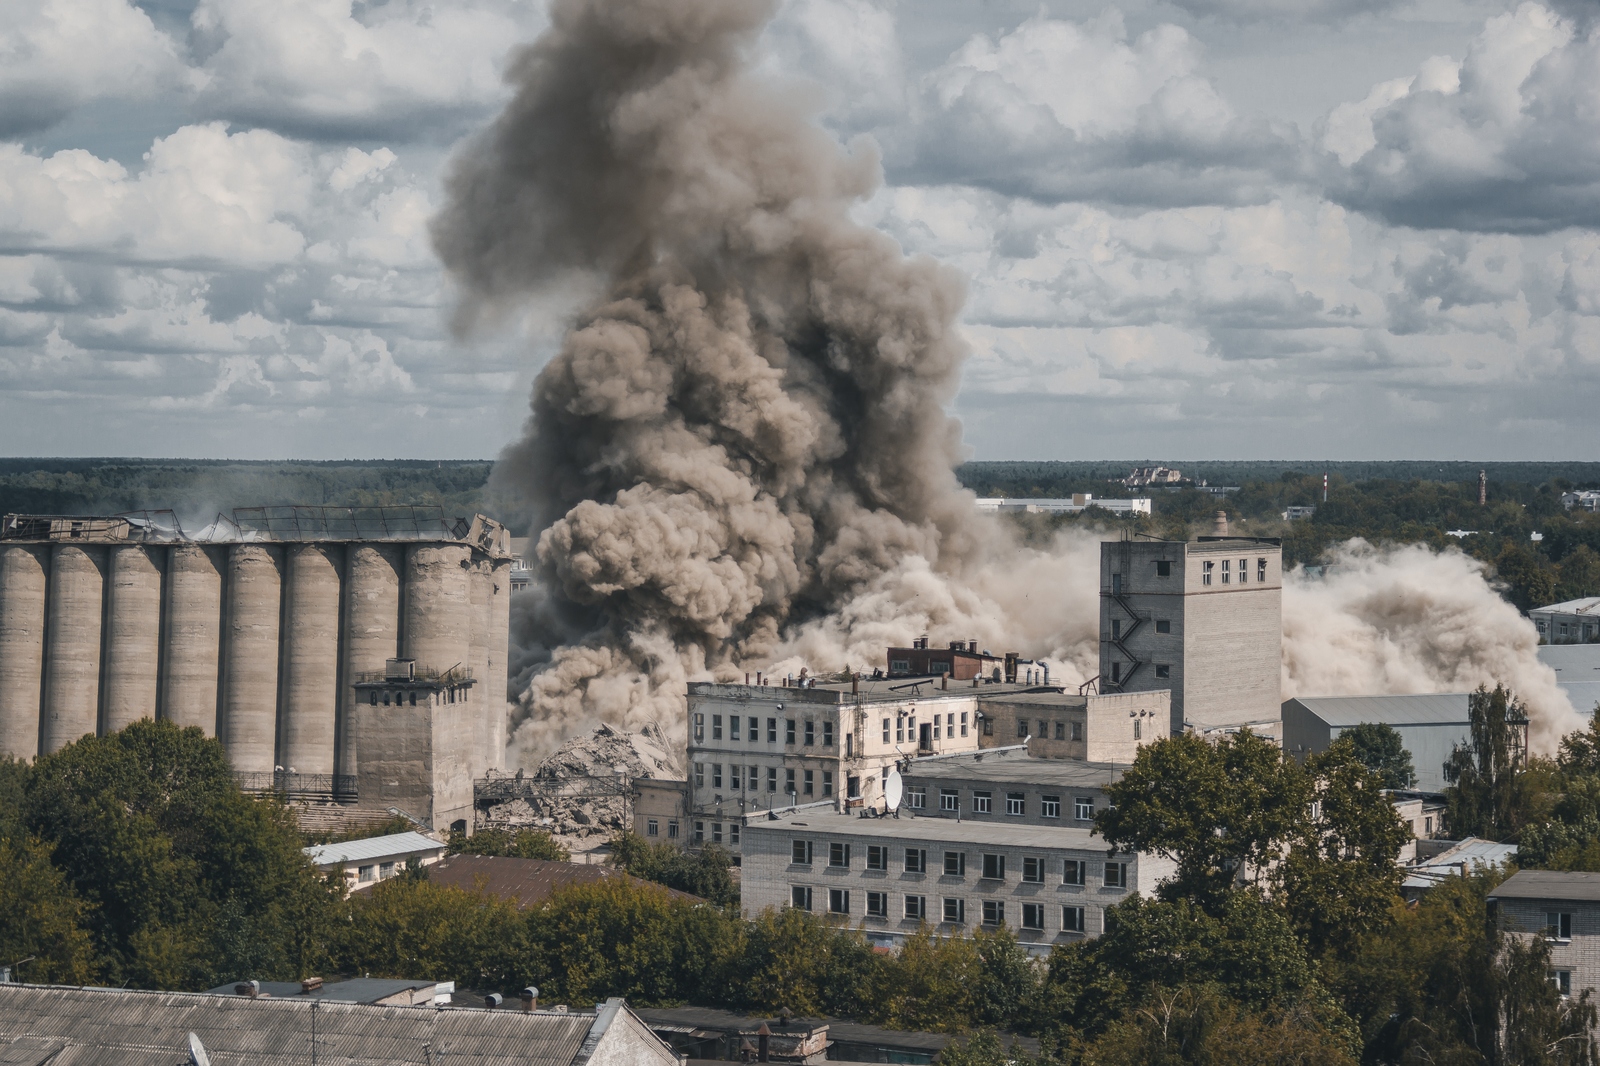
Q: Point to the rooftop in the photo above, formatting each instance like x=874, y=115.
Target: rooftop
x=1016, y=767
x=1474, y=853
x=1550, y=884
x=354, y=990
x=839, y=1031
x=944, y=830
x=118, y=1027
x=1587, y=605
x=1050, y=698
x=1444, y=708
x=529, y=882
x=1577, y=668
x=351, y=851
x=871, y=690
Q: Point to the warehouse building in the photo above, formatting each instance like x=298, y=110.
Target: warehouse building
x=349, y=655
x=1203, y=619
x=1430, y=726
x=1577, y=668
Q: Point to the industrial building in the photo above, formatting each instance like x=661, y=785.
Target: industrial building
x=353, y=656
x=1577, y=668
x=1203, y=619
x=1430, y=726
x=1572, y=622
x=1077, y=503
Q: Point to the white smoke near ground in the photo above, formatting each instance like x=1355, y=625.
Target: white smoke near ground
x=741, y=459
x=1401, y=620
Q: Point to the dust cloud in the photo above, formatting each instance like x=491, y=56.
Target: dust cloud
x=741, y=457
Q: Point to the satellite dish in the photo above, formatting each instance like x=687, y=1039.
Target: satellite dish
x=893, y=790
x=197, y=1052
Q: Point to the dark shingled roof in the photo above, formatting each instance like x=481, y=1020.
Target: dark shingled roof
x=528, y=881
x=45, y=1026
x=1550, y=884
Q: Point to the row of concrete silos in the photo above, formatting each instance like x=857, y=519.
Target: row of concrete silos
x=258, y=643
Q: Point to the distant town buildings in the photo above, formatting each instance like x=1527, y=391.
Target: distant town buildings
x=370, y=860
x=1076, y=504
x=1297, y=513
x=1582, y=500
x=1152, y=475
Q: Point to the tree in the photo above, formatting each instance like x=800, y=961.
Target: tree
x=1580, y=574
x=409, y=927
x=1222, y=812
x=1531, y=580
x=1177, y=1027
x=1488, y=796
x=1379, y=748
x=707, y=873
x=41, y=917
x=521, y=843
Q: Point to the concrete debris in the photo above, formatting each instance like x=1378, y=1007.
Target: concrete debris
x=585, y=788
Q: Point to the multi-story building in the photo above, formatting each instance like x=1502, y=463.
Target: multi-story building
x=1572, y=622
x=1202, y=619
x=1562, y=907
x=891, y=876
x=1007, y=786
x=1104, y=727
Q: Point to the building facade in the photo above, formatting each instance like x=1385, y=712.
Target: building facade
x=1202, y=619
x=1099, y=728
x=1564, y=909
x=1572, y=622
x=1008, y=787
x=1430, y=725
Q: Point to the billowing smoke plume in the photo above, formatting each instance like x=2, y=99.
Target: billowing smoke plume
x=741, y=458
x=1404, y=620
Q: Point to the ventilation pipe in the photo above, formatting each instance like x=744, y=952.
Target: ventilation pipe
x=530, y=998
x=1219, y=527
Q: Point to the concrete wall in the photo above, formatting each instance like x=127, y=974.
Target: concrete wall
x=24, y=575
x=309, y=718
x=372, y=631
x=249, y=718
x=191, y=683
x=72, y=645
x=1580, y=955
x=438, y=635
x=133, y=635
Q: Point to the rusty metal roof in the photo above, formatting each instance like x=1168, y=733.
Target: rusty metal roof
x=42, y=1025
x=528, y=881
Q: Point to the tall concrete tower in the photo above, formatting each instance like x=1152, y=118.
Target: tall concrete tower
x=1202, y=618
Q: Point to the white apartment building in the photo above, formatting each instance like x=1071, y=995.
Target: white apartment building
x=1563, y=908
x=1097, y=728
x=1048, y=884
x=1008, y=787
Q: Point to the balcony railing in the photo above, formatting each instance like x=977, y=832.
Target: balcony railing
x=298, y=786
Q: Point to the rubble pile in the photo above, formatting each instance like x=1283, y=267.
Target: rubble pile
x=582, y=790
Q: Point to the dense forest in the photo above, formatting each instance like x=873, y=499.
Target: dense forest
x=1402, y=502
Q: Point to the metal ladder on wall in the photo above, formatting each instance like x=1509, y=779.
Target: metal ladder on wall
x=1119, y=638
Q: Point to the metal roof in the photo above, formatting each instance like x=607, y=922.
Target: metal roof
x=354, y=990
x=839, y=1030
x=1442, y=708
x=45, y=1026
x=1475, y=852
x=1586, y=605
x=1550, y=884
x=394, y=846
x=939, y=830
x=1015, y=767
x=869, y=690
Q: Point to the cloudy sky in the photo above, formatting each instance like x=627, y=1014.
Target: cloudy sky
x=1193, y=228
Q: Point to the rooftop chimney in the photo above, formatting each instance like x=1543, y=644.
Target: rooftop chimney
x=763, y=1035
x=1219, y=528
x=530, y=998
x=247, y=988
x=311, y=984
x=972, y=646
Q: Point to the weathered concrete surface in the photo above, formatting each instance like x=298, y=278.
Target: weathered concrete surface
x=24, y=572
x=193, y=658
x=311, y=659
x=438, y=613
x=249, y=716
x=72, y=647
x=495, y=685
x=133, y=638
x=372, y=632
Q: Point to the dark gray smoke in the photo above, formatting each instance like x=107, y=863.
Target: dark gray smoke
x=748, y=428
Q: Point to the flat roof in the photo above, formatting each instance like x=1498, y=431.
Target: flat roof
x=872, y=690
x=944, y=830
x=349, y=851
x=839, y=1030
x=1441, y=708
x=1067, y=700
x=1585, y=605
x=1013, y=766
x=1550, y=884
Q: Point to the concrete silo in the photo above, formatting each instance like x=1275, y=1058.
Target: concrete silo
x=249, y=717
x=72, y=645
x=310, y=708
x=372, y=630
x=24, y=573
x=133, y=636
x=192, y=652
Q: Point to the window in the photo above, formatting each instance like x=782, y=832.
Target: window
x=963, y=723
x=372, y=697
x=366, y=873
x=755, y=730
x=1022, y=727
x=1044, y=730
x=735, y=777
x=1163, y=670
x=800, y=853
x=811, y=782
x=699, y=775
x=994, y=867
x=1116, y=584
x=1244, y=571
x=1116, y=875
x=1072, y=871
x=716, y=727
x=980, y=802
x=716, y=775
x=838, y=901
x=1557, y=926
x=838, y=855
x=916, y=860
x=385, y=869
x=1033, y=870
x=955, y=911
x=1116, y=673
x=1562, y=979
x=827, y=734
x=1014, y=804
x=988, y=727
x=716, y=832
x=772, y=730
x=1116, y=629
x=917, y=797
x=672, y=829
x=849, y=745
x=1050, y=806
x=886, y=730
x=1138, y=729
x=733, y=727
x=1072, y=919
x=788, y=782
x=772, y=779
x=827, y=782
x=699, y=832
x=1163, y=568
x=800, y=898
x=652, y=828
x=1205, y=573
x=949, y=799
x=877, y=857
x=811, y=732
x=1083, y=808
x=1163, y=625
x=1077, y=730
x=788, y=730
x=699, y=722
x=1225, y=571
x=950, y=724
x=994, y=912
x=955, y=863
x=1261, y=569
x=900, y=666
x=877, y=904
x=1033, y=916
x=1061, y=731
x=752, y=779
x=733, y=832
x=917, y=908
x=852, y=785
x=899, y=730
